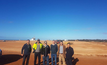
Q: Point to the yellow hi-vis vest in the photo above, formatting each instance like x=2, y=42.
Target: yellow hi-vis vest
x=35, y=46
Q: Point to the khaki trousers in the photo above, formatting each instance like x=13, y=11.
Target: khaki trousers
x=61, y=57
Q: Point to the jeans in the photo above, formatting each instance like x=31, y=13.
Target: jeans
x=37, y=54
x=55, y=56
x=47, y=59
x=24, y=58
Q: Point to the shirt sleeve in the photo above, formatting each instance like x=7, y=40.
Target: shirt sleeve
x=72, y=51
x=56, y=47
x=42, y=50
x=30, y=48
x=48, y=49
x=51, y=48
x=22, y=49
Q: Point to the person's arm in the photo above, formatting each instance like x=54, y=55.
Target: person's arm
x=56, y=48
x=51, y=48
x=22, y=49
x=33, y=47
x=72, y=51
x=30, y=48
x=48, y=50
x=42, y=50
x=64, y=51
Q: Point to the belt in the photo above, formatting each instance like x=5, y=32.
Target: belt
x=60, y=53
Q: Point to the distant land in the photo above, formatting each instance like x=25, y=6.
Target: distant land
x=87, y=40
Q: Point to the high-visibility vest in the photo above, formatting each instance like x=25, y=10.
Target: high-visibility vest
x=35, y=46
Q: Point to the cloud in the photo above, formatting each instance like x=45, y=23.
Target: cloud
x=2, y=36
x=76, y=30
x=88, y=28
x=104, y=27
x=83, y=29
x=105, y=33
x=6, y=22
x=2, y=22
x=10, y=22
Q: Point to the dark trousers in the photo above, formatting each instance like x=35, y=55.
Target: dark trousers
x=69, y=61
x=24, y=58
x=37, y=54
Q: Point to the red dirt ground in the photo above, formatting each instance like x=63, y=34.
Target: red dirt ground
x=88, y=53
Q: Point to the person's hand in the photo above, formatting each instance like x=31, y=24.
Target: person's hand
x=42, y=55
x=48, y=54
x=21, y=54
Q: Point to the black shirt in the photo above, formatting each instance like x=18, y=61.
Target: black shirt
x=46, y=50
x=69, y=53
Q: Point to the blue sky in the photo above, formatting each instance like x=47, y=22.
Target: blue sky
x=53, y=19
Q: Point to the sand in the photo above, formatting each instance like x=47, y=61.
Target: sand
x=85, y=53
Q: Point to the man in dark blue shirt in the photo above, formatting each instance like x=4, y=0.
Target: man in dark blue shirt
x=54, y=49
x=27, y=50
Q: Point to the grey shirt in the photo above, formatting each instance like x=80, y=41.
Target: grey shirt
x=38, y=48
x=61, y=49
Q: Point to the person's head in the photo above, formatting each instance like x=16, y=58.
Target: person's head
x=53, y=41
x=68, y=45
x=28, y=41
x=45, y=42
x=61, y=43
x=38, y=41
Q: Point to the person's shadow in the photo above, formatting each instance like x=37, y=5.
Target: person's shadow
x=5, y=59
x=74, y=60
x=50, y=61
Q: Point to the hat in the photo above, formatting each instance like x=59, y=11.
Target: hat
x=38, y=40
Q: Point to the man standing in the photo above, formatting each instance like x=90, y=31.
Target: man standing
x=61, y=53
x=37, y=47
x=54, y=49
x=45, y=52
x=27, y=50
x=69, y=54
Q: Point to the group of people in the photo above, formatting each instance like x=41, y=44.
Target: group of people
x=44, y=50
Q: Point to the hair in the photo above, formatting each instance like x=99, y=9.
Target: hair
x=61, y=41
x=68, y=43
x=53, y=40
x=28, y=40
x=45, y=42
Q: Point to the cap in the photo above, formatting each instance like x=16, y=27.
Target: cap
x=38, y=40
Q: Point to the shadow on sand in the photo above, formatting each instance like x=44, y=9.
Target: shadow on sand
x=74, y=60
x=4, y=59
x=50, y=61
